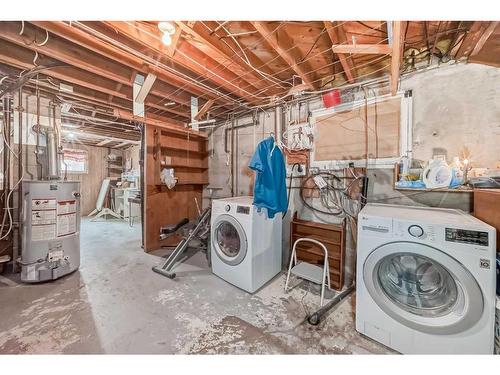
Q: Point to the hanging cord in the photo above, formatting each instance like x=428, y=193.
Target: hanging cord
x=299, y=169
x=7, y=200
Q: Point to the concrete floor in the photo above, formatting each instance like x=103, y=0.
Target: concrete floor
x=116, y=304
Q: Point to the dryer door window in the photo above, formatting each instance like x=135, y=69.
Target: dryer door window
x=423, y=288
x=229, y=240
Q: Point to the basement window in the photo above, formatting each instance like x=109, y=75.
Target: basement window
x=342, y=135
x=74, y=161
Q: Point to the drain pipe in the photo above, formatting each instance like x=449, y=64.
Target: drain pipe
x=232, y=157
x=20, y=175
x=278, y=124
x=37, y=130
x=236, y=158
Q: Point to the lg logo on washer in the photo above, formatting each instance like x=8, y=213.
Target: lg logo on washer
x=484, y=263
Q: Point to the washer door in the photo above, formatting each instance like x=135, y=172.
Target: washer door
x=229, y=240
x=423, y=288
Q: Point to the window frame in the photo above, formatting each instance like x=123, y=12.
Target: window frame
x=77, y=150
x=405, y=141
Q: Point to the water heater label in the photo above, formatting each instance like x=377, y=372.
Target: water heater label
x=43, y=232
x=66, y=207
x=43, y=204
x=43, y=217
x=66, y=224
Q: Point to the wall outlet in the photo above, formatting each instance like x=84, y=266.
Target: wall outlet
x=296, y=172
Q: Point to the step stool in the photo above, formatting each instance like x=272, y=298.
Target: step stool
x=308, y=271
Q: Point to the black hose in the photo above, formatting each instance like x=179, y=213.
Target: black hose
x=290, y=188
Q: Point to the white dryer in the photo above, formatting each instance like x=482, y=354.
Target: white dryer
x=245, y=243
x=425, y=280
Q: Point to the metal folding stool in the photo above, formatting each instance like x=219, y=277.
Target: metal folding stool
x=307, y=271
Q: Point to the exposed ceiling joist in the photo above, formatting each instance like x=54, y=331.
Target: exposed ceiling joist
x=113, y=52
x=153, y=120
x=187, y=56
x=104, y=142
x=284, y=48
x=366, y=49
x=145, y=88
x=105, y=139
x=224, y=55
x=206, y=107
x=484, y=37
x=337, y=36
x=397, y=54
x=126, y=143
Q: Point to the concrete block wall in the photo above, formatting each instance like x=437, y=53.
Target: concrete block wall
x=453, y=106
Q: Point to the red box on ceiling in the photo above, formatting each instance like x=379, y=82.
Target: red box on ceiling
x=332, y=98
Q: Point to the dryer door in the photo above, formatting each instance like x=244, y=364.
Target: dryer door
x=229, y=240
x=423, y=288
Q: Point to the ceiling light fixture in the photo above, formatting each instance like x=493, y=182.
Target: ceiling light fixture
x=167, y=29
x=169, y=104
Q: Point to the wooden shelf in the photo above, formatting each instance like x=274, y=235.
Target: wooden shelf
x=440, y=190
x=319, y=238
x=195, y=152
x=182, y=166
x=460, y=189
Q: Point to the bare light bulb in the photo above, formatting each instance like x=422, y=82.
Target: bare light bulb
x=166, y=39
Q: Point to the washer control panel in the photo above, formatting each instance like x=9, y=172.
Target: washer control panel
x=227, y=208
x=243, y=210
x=416, y=230
x=467, y=236
x=413, y=231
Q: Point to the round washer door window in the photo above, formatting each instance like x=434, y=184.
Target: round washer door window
x=229, y=240
x=417, y=284
x=423, y=288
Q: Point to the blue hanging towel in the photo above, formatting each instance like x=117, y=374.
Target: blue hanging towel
x=270, y=183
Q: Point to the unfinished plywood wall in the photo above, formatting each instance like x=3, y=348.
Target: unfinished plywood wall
x=163, y=206
x=350, y=134
x=133, y=154
x=90, y=182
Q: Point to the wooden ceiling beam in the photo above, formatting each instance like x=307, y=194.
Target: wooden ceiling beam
x=337, y=36
x=187, y=56
x=22, y=58
x=365, y=49
x=397, y=54
x=155, y=121
x=104, y=142
x=84, y=39
x=223, y=54
x=283, y=47
x=470, y=40
x=68, y=53
x=484, y=37
x=206, y=107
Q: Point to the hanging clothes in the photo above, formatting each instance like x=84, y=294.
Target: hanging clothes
x=270, y=183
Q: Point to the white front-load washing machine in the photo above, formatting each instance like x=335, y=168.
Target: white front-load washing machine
x=245, y=243
x=425, y=280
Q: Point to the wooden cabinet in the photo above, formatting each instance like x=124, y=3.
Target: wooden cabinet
x=187, y=154
x=487, y=208
x=331, y=235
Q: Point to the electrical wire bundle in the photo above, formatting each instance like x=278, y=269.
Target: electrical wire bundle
x=334, y=196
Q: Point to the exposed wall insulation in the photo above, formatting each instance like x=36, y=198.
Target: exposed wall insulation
x=343, y=135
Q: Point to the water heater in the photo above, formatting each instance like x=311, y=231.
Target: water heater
x=51, y=230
